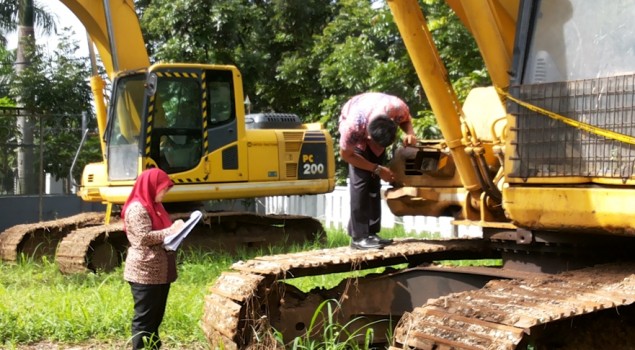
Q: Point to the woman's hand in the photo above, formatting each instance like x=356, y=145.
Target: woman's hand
x=177, y=225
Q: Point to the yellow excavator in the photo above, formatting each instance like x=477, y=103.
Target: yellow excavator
x=189, y=120
x=542, y=161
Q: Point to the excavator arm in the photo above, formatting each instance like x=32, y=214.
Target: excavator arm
x=114, y=28
x=491, y=23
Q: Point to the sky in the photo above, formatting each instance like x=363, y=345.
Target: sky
x=64, y=18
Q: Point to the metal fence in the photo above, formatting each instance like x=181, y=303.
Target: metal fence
x=36, y=151
x=550, y=148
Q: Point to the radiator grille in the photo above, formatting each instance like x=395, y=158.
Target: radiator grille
x=293, y=141
x=547, y=148
x=292, y=170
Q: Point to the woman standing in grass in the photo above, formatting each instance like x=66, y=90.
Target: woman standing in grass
x=149, y=268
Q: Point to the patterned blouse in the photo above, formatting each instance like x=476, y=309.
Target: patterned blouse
x=147, y=262
x=361, y=109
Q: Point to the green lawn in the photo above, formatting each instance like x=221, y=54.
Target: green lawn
x=39, y=304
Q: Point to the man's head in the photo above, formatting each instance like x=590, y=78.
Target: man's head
x=382, y=130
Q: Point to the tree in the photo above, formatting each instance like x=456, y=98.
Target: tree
x=292, y=26
x=7, y=58
x=26, y=15
x=254, y=35
x=7, y=123
x=11, y=17
x=56, y=89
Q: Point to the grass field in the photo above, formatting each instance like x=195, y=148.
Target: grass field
x=37, y=303
x=42, y=309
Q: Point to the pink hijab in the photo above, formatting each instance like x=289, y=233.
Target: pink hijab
x=144, y=191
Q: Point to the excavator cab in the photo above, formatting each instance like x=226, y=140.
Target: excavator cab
x=162, y=115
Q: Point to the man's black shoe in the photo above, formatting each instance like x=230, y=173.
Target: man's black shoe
x=365, y=243
x=382, y=241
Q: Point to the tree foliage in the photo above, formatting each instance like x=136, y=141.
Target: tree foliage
x=9, y=18
x=6, y=68
x=255, y=36
x=308, y=56
x=55, y=88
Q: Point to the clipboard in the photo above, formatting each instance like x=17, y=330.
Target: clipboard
x=173, y=241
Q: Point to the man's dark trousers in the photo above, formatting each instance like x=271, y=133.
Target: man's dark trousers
x=365, y=193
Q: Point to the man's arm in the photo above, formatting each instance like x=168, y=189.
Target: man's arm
x=410, y=139
x=356, y=160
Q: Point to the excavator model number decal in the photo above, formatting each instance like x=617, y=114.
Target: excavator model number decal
x=310, y=167
x=313, y=161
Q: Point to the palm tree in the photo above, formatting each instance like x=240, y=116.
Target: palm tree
x=11, y=16
x=22, y=15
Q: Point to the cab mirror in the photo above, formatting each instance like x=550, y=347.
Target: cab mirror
x=151, y=84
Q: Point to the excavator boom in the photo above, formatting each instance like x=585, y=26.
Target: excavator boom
x=114, y=29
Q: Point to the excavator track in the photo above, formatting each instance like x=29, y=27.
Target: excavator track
x=511, y=314
x=102, y=247
x=246, y=301
x=231, y=231
x=513, y=310
x=42, y=238
x=91, y=249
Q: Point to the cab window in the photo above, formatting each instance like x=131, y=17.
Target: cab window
x=221, y=97
x=177, y=127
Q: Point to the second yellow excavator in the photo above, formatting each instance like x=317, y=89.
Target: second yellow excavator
x=189, y=120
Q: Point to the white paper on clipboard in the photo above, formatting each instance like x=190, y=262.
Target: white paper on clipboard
x=173, y=241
